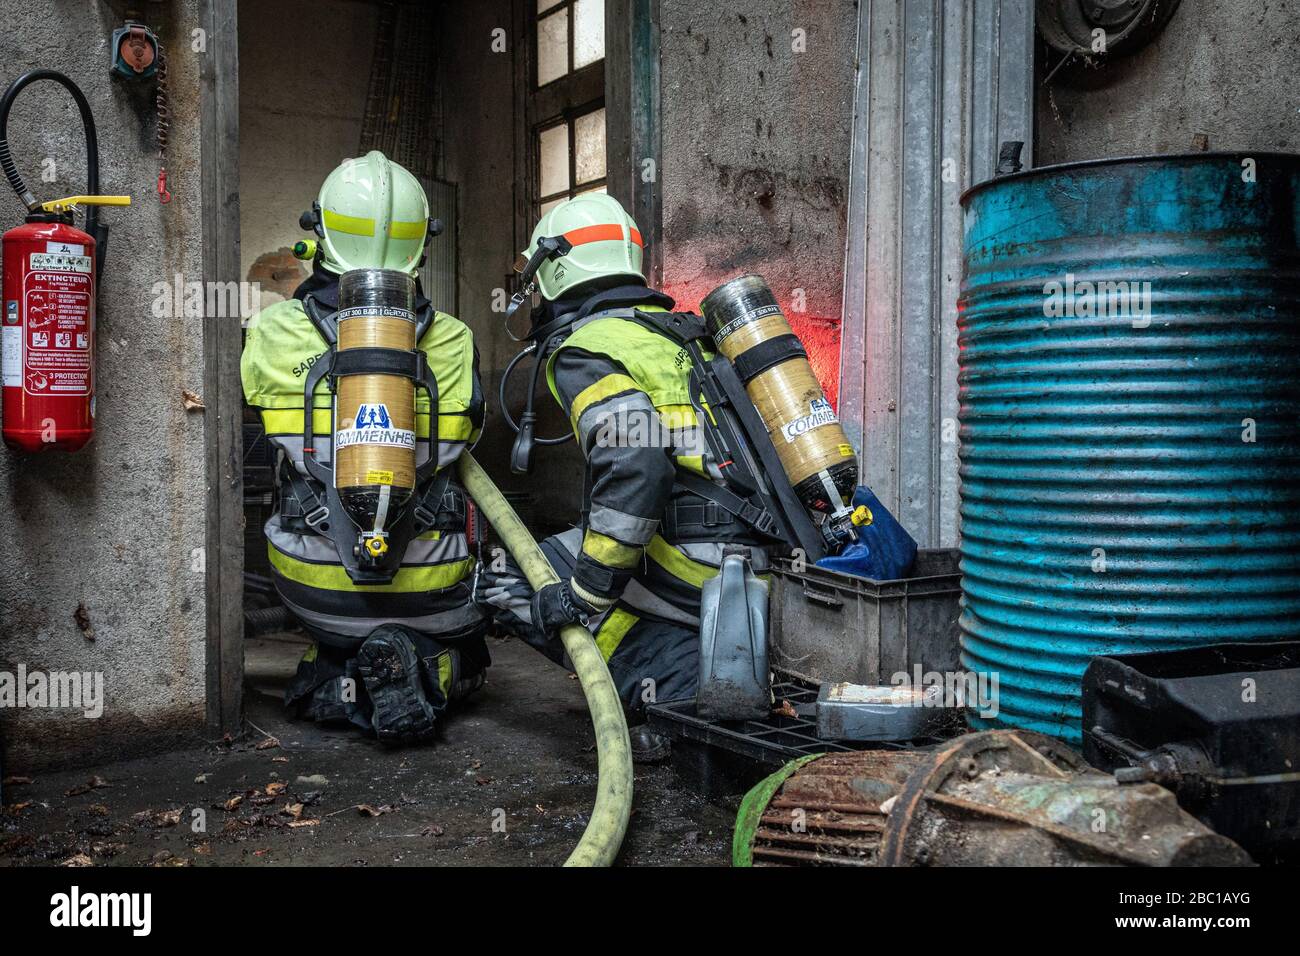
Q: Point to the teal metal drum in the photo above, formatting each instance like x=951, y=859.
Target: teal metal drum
x=1130, y=418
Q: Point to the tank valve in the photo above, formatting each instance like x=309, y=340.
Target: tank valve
x=376, y=545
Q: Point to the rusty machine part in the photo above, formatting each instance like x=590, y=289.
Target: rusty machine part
x=997, y=798
x=1075, y=27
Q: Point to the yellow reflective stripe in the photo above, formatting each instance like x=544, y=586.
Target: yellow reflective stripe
x=612, y=631
x=352, y=225
x=693, y=463
x=288, y=421
x=677, y=417
x=332, y=577
x=444, y=673
x=608, y=551
x=408, y=230
x=678, y=564
x=608, y=386
x=454, y=427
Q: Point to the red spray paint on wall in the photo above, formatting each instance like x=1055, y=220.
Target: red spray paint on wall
x=820, y=335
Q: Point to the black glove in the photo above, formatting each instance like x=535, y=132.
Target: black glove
x=556, y=605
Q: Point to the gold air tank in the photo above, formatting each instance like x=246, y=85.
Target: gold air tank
x=374, y=415
x=750, y=329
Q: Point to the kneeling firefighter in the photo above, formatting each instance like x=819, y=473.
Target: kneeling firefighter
x=396, y=634
x=663, y=495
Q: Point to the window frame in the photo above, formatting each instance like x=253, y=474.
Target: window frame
x=534, y=37
x=569, y=119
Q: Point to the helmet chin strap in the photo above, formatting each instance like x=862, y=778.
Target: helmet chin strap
x=521, y=453
x=546, y=248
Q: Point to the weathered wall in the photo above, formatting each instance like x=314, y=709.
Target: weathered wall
x=1221, y=68
x=299, y=117
x=756, y=152
x=115, y=527
x=479, y=155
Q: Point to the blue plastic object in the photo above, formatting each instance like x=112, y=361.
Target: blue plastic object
x=1129, y=392
x=884, y=551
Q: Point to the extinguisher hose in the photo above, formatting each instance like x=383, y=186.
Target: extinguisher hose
x=92, y=146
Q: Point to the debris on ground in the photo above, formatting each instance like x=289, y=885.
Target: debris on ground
x=94, y=783
x=158, y=818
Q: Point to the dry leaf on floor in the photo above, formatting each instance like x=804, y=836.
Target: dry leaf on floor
x=94, y=783
x=159, y=818
x=79, y=859
x=295, y=824
x=269, y=743
x=275, y=788
x=192, y=401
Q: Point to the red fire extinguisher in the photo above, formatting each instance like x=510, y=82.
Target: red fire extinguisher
x=47, y=331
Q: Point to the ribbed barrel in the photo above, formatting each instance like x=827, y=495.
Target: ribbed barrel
x=1130, y=418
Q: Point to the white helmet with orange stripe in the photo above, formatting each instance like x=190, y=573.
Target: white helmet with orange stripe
x=583, y=239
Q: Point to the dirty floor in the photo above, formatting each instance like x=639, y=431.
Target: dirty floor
x=509, y=781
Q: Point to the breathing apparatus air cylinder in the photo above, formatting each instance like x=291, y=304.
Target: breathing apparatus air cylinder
x=752, y=332
x=374, y=438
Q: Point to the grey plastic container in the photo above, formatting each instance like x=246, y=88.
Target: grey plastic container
x=828, y=626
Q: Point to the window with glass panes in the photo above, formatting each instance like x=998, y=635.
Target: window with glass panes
x=570, y=36
x=571, y=158
x=569, y=144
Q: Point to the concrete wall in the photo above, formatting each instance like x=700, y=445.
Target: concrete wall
x=1221, y=68
x=756, y=153
x=114, y=528
x=479, y=142
x=302, y=93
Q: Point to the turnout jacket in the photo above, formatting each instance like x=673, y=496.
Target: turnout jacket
x=430, y=592
x=645, y=539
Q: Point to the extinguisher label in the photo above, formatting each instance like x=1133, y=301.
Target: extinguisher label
x=60, y=261
x=13, y=356
x=57, y=312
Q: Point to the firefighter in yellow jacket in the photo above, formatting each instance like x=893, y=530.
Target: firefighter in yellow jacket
x=388, y=658
x=655, y=519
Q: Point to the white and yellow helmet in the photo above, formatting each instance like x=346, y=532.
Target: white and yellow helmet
x=599, y=240
x=371, y=214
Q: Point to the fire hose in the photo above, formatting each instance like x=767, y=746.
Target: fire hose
x=609, y=815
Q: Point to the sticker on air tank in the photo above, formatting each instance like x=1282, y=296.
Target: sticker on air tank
x=373, y=311
x=819, y=413
x=374, y=426
x=761, y=312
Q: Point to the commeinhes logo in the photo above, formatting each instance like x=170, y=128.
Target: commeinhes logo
x=73, y=909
